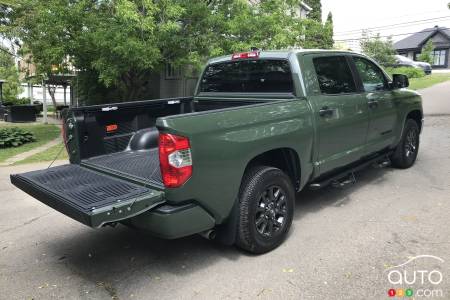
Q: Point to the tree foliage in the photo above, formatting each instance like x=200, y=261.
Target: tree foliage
x=120, y=43
x=10, y=73
x=380, y=50
x=426, y=54
x=329, y=27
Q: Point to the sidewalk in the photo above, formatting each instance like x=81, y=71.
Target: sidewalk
x=24, y=155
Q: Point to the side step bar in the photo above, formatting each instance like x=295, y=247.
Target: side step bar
x=347, y=176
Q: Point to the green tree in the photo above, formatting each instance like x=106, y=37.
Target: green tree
x=316, y=13
x=329, y=28
x=116, y=45
x=381, y=51
x=10, y=73
x=426, y=54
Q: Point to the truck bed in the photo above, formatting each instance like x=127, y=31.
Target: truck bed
x=141, y=166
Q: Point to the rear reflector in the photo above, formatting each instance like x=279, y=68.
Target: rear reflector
x=244, y=55
x=175, y=159
x=112, y=127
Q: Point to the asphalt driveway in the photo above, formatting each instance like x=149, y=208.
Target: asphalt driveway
x=436, y=99
x=341, y=244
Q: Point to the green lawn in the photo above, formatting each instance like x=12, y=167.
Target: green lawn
x=427, y=81
x=47, y=155
x=42, y=133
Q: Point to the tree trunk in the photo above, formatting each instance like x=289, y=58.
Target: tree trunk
x=133, y=83
x=52, y=92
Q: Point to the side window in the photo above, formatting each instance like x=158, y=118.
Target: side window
x=371, y=76
x=334, y=75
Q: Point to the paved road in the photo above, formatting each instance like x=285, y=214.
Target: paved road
x=340, y=246
x=436, y=99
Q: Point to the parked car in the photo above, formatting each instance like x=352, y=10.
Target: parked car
x=403, y=61
x=227, y=162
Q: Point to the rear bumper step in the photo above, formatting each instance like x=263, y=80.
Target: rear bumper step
x=87, y=196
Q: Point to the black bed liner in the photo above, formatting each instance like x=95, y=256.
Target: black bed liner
x=142, y=166
x=87, y=196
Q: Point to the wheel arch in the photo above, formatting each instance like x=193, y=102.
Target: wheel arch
x=417, y=116
x=285, y=159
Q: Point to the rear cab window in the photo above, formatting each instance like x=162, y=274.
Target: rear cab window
x=248, y=76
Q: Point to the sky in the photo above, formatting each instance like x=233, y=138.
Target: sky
x=408, y=16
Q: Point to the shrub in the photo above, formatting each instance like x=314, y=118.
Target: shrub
x=408, y=71
x=17, y=101
x=14, y=137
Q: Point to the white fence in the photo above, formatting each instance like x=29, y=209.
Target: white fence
x=37, y=94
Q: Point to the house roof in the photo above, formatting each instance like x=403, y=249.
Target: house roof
x=302, y=4
x=305, y=6
x=417, y=39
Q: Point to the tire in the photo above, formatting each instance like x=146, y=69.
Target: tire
x=405, y=154
x=266, y=197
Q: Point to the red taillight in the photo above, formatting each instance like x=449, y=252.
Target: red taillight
x=111, y=128
x=175, y=159
x=244, y=55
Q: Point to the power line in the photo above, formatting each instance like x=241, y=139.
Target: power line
x=396, y=17
x=381, y=36
x=399, y=17
x=388, y=29
x=394, y=25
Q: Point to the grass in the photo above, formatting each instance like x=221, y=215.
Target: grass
x=47, y=155
x=427, y=81
x=42, y=133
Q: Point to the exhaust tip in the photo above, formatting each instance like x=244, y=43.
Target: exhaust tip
x=208, y=234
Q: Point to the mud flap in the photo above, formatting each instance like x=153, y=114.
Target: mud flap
x=88, y=196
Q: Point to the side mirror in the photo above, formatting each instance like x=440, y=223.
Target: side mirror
x=399, y=81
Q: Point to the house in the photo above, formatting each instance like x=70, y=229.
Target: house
x=412, y=45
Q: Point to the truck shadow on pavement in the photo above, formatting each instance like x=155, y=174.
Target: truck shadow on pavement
x=112, y=257
x=310, y=201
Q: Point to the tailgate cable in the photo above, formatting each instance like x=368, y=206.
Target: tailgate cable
x=56, y=157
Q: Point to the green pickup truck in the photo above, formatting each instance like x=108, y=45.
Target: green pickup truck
x=227, y=162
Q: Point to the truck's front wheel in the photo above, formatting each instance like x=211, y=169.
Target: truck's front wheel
x=266, y=208
x=406, y=152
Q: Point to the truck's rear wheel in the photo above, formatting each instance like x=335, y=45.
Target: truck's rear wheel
x=266, y=207
x=405, y=154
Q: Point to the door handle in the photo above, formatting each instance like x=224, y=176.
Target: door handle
x=373, y=100
x=326, y=111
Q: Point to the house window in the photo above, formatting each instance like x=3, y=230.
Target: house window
x=439, y=57
x=172, y=72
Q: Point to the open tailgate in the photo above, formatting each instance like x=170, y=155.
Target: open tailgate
x=88, y=196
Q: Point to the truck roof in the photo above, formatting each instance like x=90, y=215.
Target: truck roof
x=278, y=54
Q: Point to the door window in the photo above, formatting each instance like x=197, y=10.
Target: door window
x=334, y=75
x=371, y=76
